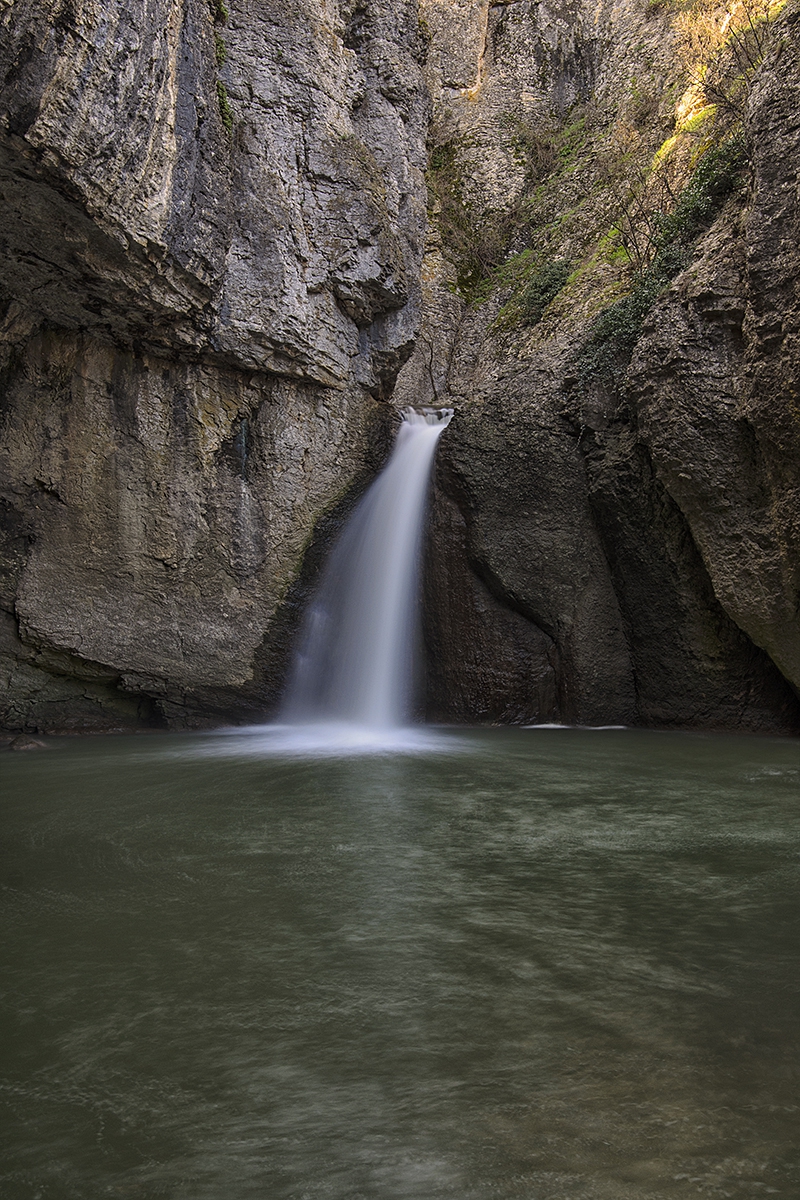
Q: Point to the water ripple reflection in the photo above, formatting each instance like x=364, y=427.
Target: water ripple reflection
x=554, y=965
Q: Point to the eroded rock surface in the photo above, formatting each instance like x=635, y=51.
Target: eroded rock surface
x=199, y=326
x=715, y=381
x=644, y=526
x=221, y=260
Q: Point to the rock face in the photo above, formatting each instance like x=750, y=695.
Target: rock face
x=642, y=525
x=221, y=260
x=199, y=327
x=715, y=381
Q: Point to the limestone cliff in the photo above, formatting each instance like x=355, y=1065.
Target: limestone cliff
x=621, y=472
x=227, y=229
x=200, y=323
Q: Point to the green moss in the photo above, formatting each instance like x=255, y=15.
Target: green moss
x=618, y=329
x=219, y=11
x=700, y=119
x=224, y=107
x=220, y=50
x=610, y=248
x=727, y=74
x=544, y=286
x=665, y=149
x=716, y=175
x=477, y=242
x=536, y=280
x=512, y=272
x=572, y=138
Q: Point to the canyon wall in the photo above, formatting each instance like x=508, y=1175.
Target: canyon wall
x=212, y=241
x=626, y=526
x=237, y=239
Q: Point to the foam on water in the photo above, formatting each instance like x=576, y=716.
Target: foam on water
x=327, y=739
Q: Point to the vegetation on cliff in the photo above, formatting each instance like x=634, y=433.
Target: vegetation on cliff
x=609, y=207
x=665, y=250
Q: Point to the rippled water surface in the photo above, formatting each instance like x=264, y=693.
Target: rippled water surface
x=550, y=964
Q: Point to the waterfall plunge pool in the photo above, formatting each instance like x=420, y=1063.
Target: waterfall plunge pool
x=550, y=964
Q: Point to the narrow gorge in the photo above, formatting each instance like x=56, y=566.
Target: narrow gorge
x=238, y=239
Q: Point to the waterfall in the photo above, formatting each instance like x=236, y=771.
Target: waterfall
x=355, y=662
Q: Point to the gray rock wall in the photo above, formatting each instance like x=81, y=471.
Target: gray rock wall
x=198, y=327
x=715, y=381
x=643, y=526
x=221, y=261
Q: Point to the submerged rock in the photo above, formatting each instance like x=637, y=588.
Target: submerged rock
x=23, y=742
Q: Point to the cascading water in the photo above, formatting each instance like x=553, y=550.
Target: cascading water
x=355, y=662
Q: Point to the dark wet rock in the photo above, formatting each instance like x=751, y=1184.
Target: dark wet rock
x=23, y=742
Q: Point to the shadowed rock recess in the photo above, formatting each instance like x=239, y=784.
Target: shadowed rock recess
x=235, y=239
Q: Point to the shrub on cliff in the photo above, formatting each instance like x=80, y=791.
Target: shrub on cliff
x=617, y=329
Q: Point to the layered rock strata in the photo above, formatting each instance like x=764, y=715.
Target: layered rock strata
x=219, y=252
x=199, y=326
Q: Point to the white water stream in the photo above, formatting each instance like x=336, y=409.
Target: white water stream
x=355, y=663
